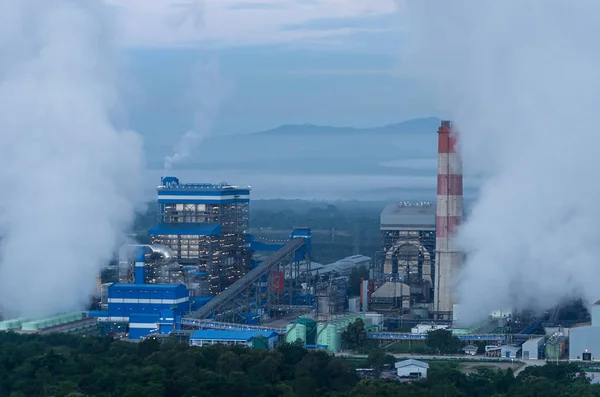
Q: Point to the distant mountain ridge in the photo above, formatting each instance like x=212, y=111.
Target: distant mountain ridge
x=311, y=153
x=418, y=125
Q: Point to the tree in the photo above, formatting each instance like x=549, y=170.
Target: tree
x=355, y=335
x=442, y=341
x=376, y=360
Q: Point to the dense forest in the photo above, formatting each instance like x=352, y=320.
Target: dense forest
x=63, y=365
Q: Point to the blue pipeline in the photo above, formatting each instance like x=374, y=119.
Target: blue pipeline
x=407, y=336
x=139, y=265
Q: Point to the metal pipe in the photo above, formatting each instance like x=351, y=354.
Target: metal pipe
x=163, y=250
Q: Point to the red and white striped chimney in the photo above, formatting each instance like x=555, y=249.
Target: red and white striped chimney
x=449, y=211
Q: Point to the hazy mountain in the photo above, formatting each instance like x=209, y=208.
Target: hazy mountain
x=422, y=125
x=310, y=148
x=309, y=161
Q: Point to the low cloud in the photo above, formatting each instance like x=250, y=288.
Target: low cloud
x=237, y=22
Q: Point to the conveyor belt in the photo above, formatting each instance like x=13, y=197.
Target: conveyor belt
x=243, y=283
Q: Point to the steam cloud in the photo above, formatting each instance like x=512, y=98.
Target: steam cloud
x=520, y=79
x=70, y=179
x=208, y=91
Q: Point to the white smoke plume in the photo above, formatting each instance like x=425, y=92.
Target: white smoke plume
x=520, y=79
x=208, y=90
x=70, y=179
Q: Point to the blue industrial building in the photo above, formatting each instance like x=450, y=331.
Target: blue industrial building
x=125, y=299
x=145, y=308
x=206, y=226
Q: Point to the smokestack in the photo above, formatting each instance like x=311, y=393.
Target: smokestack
x=140, y=263
x=449, y=212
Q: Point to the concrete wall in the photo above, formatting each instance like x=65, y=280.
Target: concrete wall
x=411, y=369
x=531, y=349
x=584, y=339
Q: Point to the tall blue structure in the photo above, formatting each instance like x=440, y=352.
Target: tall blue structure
x=140, y=263
x=206, y=226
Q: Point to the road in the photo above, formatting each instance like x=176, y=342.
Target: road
x=463, y=358
x=431, y=357
x=529, y=363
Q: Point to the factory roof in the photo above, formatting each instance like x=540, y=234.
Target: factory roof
x=408, y=216
x=148, y=286
x=342, y=266
x=391, y=289
x=510, y=348
x=220, y=334
x=535, y=340
x=357, y=259
x=170, y=183
x=411, y=361
x=186, y=229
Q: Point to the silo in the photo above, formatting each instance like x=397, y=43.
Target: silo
x=321, y=336
x=333, y=338
x=311, y=329
x=293, y=332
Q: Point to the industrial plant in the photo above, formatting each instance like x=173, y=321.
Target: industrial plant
x=206, y=227
x=204, y=278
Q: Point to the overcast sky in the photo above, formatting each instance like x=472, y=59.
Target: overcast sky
x=331, y=62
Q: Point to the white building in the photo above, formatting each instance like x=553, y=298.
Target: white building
x=584, y=341
x=471, y=350
x=531, y=348
x=412, y=368
x=504, y=313
x=425, y=328
x=509, y=351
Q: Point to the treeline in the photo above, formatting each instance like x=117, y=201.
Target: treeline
x=62, y=365
x=322, y=217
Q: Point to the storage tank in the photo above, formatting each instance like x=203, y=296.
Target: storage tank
x=333, y=338
x=321, y=334
x=311, y=329
x=293, y=332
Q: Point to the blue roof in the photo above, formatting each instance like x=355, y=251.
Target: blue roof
x=220, y=334
x=187, y=190
x=191, y=229
x=172, y=184
x=146, y=287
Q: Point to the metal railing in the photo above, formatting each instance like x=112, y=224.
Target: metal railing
x=229, y=326
x=409, y=336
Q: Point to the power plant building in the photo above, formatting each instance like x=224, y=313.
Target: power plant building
x=206, y=227
x=408, y=238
